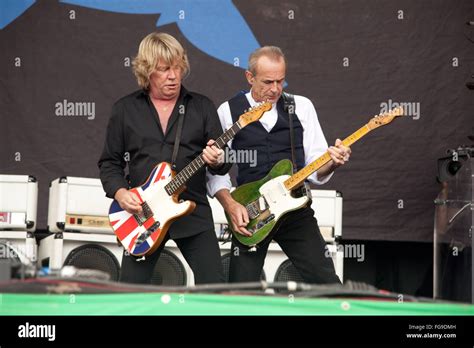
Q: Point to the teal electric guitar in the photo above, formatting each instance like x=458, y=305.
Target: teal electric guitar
x=271, y=197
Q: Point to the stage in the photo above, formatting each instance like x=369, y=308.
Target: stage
x=53, y=296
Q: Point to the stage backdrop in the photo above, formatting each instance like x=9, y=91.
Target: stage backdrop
x=351, y=58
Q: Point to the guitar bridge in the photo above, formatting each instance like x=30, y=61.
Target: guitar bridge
x=145, y=215
x=252, y=211
x=255, y=208
x=301, y=191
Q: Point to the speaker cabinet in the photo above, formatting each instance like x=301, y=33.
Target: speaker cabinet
x=171, y=268
x=82, y=250
x=101, y=252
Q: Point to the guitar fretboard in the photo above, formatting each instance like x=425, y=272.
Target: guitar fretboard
x=300, y=176
x=184, y=175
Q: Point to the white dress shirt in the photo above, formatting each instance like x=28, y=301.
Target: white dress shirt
x=314, y=142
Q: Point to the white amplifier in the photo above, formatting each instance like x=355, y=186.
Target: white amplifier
x=18, y=202
x=327, y=206
x=78, y=205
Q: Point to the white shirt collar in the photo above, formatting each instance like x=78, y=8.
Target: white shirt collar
x=252, y=101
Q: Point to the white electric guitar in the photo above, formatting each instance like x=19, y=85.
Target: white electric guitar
x=271, y=197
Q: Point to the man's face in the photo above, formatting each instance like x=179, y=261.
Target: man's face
x=267, y=83
x=165, y=81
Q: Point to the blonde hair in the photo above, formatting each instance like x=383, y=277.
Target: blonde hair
x=272, y=52
x=157, y=47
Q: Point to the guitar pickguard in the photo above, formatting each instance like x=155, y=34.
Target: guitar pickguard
x=279, y=199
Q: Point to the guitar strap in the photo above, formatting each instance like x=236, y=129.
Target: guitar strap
x=177, y=140
x=289, y=107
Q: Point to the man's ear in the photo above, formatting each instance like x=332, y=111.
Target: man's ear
x=250, y=77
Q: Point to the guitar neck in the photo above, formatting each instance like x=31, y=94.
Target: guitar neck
x=184, y=175
x=300, y=176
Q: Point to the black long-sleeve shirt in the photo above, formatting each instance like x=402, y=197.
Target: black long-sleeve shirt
x=134, y=128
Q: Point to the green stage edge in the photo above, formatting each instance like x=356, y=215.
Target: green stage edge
x=209, y=304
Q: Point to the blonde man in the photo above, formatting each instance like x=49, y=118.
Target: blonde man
x=143, y=125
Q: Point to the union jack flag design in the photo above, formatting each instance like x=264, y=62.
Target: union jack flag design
x=126, y=226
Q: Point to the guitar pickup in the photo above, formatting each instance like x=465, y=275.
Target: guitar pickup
x=143, y=237
x=269, y=219
x=301, y=191
x=262, y=223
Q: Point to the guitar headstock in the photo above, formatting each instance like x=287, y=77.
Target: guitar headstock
x=385, y=118
x=254, y=114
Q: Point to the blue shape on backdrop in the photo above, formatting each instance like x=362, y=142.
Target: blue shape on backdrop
x=12, y=9
x=215, y=27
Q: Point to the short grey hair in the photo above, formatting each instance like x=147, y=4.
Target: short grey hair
x=272, y=52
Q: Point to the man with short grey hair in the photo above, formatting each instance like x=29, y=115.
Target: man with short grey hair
x=298, y=234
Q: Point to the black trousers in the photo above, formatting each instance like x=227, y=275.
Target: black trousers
x=299, y=237
x=201, y=252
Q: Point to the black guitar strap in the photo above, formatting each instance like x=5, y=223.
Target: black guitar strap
x=177, y=140
x=289, y=107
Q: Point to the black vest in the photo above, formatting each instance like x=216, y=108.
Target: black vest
x=271, y=147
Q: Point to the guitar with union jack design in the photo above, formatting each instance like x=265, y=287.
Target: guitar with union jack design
x=141, y=234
